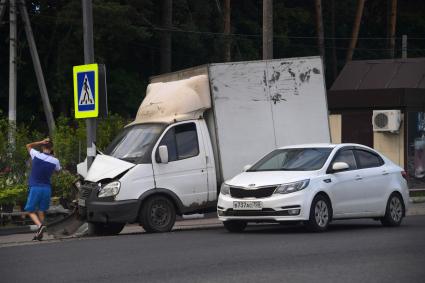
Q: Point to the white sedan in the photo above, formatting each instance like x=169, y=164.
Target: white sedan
x=315, y=184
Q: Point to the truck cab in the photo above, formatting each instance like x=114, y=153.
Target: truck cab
x=152, y=171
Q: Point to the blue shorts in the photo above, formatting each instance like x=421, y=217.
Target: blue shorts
x=38, y=198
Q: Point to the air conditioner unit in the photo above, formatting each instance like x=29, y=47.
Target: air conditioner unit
x=386, y=120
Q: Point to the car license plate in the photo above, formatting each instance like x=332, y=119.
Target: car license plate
x=81, y=202
x=247, y=205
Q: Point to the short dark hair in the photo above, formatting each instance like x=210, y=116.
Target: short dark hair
x=48, y=145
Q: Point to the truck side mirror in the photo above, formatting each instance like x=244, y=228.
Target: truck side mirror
x=246, y=167
x=163, y=153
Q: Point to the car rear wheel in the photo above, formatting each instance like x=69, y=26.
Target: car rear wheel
x=235, y=226
x=320, y=214
x=105, y=229
x=158, y=215
x=394, y=212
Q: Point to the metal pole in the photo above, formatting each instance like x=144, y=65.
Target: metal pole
x=404, y=46
x=12, y=71
x=88, y=59
x=2, y=9
x=267, y=29
x=37, y=68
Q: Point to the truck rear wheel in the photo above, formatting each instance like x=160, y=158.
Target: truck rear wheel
x=158, y=215
x=105, y=229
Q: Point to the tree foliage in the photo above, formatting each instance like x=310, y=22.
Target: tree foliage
x=127, y=33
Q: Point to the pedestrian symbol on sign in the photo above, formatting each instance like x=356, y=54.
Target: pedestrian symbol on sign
x=86, y=91
x=86, y=95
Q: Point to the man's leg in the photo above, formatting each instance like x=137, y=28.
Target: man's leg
x=30, y=206
x=35, y=218
x=40, y=215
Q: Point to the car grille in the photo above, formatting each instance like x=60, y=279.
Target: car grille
x=261, y=192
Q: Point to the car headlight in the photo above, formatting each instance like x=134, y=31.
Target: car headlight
x=292, y=187
x=109, y=190
x=225, y=189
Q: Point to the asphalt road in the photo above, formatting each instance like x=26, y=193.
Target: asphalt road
x=352, y=251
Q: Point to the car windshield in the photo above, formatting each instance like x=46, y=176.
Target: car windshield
x=293, y=159
x=135, y=142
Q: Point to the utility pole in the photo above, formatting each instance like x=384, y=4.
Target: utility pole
x=91, y=123
x=334, y=58
x=319, y=27
x=356, y=28
x=267, y=29
x=393, y=19
x=165, y=41
x=228, y=40
x=12, y=71
x=404, y=46
x=37, y=68
x=2, y=9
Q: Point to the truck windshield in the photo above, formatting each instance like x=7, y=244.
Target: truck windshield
x=134, y=143
x=293, y=159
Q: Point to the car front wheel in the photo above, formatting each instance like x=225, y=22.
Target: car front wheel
x=394, y=212
x=320, y=214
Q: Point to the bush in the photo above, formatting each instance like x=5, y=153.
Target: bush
x=69, y=141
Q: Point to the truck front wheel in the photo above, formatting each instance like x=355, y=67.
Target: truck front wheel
x=158, y=214
x=105, y=229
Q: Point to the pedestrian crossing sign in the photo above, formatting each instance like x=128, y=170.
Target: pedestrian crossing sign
x=86, y=91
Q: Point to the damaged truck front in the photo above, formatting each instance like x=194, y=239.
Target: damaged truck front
x=194, y=129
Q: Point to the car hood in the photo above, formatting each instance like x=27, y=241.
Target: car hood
x=267, y=178
x=107, y=167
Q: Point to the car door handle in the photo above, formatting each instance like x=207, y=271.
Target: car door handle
x=358, y=178
x=385, y=173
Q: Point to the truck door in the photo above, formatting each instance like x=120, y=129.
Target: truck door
x=185, y=173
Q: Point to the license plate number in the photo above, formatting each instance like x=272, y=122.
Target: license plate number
x=247, y=205
x=81, y=202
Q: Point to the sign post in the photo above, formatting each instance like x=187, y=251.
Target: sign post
x=90, y=98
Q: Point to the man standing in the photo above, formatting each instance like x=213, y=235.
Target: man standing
x=43, y=166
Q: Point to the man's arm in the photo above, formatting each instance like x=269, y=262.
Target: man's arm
x=37, y=143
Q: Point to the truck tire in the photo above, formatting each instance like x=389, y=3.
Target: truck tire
x=105, y=229
x=235, y=226
x=394, y=211
x=158, y=215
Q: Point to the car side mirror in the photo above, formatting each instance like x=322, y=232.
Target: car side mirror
x=246, y=167
x=163, y=154
x=339, y=166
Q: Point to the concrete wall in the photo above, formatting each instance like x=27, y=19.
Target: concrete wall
x=390, y=145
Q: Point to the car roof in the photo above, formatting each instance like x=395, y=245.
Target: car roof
x=324, y=145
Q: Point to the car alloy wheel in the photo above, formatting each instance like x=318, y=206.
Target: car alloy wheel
x=396, y=209
x=321, y=213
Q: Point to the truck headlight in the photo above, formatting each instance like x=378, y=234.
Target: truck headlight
x=109, y=190
x=292, y=187
x=225, y=189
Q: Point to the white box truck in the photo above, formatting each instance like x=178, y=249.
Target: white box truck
x=196, y=128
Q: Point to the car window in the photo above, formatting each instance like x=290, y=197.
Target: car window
x=293, y=159
x=181, y=141
x=346, y=156
x=367, y=159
